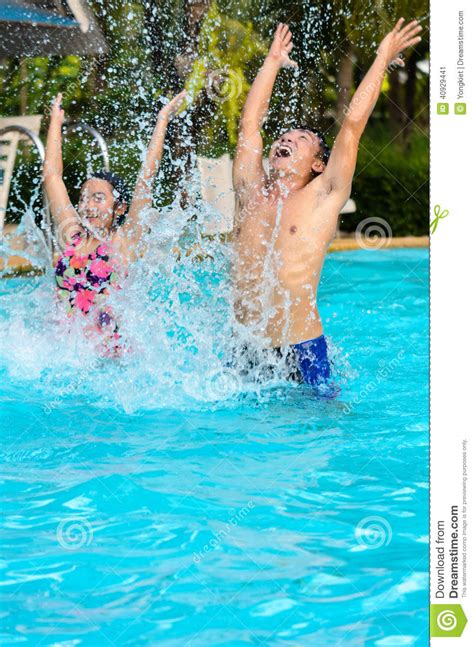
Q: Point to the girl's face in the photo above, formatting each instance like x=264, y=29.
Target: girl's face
x=97, y=205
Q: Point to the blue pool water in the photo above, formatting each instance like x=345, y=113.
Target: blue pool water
x=265, y=518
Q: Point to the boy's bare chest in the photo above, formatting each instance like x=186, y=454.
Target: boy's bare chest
x=292, y=222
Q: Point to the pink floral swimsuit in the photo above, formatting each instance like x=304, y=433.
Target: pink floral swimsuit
x=83, y=283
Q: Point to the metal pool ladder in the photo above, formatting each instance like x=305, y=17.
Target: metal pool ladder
x=10, y=135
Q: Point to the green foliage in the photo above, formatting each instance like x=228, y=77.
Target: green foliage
x=120, y=93
x=226, y=49
x=392, y=182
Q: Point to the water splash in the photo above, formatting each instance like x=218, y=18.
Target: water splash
x=27, y=241
x=176, y=317
x=176, y=306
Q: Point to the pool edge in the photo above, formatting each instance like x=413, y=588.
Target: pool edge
x=17, y=265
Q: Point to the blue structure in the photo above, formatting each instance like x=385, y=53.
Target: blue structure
x=41, y=28
x=17, y=11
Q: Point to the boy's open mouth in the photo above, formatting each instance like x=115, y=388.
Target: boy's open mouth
x=283, y=150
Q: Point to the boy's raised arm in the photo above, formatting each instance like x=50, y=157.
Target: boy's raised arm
x=248, y=157
x=341, y=166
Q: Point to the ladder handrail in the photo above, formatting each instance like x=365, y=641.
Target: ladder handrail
x=69, y=127
x=28, y=133
x=33, y=137
x=72, y=126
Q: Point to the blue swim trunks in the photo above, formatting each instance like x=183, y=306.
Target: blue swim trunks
x=304, y=363
x=310, y=361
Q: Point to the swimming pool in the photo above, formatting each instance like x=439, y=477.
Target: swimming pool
x=266, y=519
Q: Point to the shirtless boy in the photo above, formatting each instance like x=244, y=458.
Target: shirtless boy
x=286, y=219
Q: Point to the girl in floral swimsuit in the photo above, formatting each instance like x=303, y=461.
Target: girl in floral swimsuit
x=83, y=284
x=101, y=237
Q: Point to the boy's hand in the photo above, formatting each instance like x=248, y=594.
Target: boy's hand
x=282, y=46
x=172, y=107
x=57, y=111
x=399, y=39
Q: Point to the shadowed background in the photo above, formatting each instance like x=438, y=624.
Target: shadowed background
x=155, y=48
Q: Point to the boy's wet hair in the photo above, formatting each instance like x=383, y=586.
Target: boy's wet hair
x=121, y=190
